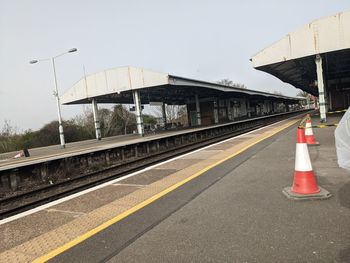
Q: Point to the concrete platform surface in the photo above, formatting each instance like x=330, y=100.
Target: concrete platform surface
x=245, y=218
x=233, y=212
x=36, y=234
x=241, y=217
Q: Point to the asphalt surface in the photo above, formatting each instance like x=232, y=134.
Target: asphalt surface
x=236, y=212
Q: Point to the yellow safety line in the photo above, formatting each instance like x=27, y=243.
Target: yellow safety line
x=337, y=111
x=132, y=210
x=325, y=125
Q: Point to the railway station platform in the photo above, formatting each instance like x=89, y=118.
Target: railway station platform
x=48, y=152
x=221, y=203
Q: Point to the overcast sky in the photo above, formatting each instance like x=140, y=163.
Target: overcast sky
x=207, y=40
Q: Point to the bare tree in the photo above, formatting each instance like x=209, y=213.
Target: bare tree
x=121, y=120
x=86, y=120
x=228, y=82
x=174, y=113
x=8, y=134
x=8, y=129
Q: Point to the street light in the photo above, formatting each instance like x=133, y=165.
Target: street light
x=60, y=128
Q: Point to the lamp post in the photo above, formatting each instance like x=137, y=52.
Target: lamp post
x=60, y=128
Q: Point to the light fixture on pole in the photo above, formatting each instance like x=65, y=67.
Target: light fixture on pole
x=60, y=128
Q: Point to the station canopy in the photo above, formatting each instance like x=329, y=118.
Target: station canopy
x=116, y=86
x=292, y=58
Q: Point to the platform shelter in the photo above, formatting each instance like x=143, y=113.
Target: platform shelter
x=316, y=59
x=207, y=103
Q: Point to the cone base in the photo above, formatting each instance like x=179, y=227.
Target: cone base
x=313, y=144
x=323, y=194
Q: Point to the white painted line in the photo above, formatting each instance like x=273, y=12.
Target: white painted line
x=67, y=198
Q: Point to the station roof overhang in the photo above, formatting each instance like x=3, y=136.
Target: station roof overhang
x=116, y=86
x=292, y=58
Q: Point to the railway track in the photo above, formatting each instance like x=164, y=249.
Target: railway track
x=25, y=199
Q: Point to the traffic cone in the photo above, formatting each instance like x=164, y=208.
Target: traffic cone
x=304, y=183
x=304, y=178
x=309, y=134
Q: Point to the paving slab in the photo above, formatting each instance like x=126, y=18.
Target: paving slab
x=19, y=231
x=148, y=177
x=178, y=164
x=95, y=199
x=204, y=154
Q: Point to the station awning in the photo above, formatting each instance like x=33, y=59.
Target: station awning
x=292, y=58
x=116, y=85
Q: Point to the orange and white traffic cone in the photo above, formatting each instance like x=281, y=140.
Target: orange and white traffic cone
x=309, y=134
x=304, y=183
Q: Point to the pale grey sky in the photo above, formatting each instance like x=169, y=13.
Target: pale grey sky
x=207, y=40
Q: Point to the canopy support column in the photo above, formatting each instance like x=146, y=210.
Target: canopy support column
x=320, y=85
x=229, y=110
x=139, y=120
x=164, y=115
x=248, y=108
x=198, y=110
x=287, y=106
x=216, y=111
x=96, y=120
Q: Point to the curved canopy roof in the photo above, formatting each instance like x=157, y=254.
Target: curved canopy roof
x=292, y=58
x=115, y=86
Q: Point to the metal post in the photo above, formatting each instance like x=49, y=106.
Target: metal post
x=139, y=120
x=229, y=110
x=164, y=115
x=248, y=108
x=96, y=120
x=198, y=111
x=268, y=107
x=60, y=127
x=320, y=86
x=287, y=106
x=216, y=111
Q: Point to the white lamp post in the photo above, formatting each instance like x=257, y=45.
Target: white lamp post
x=60, y=128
